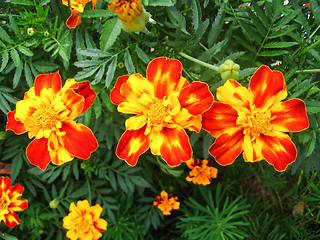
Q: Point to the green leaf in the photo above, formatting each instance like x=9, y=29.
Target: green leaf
x=21, y=2
x=195, y=14
x=312, y=106
x=277, y=7
x=312, y=143
x=25, y=51
x=16, y=167
x=15, y=57
x=27, y=75
x=279, y=44
x=45, y=67
x=96, y=13
x=166, y=3
x=4, y=35
x=128, y=62
x=111, y=71
x=142, y=55
x=17, y=75
x=5, y=59
x=112, y=180
x=273, y=53
x=283, y=31
x=6, y=236
x=110, y=32
x=245, y=44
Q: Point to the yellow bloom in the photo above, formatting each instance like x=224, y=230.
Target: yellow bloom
x=201, y=172
x=131, y=13
x=166, y=202
x=84, y=222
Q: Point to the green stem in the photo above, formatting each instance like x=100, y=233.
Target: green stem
x=207, y=65
x=308, y=71
x=89, y=188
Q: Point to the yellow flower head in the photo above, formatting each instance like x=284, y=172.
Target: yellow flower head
x=201, y=172
x=131, y=13
x=166, y=202
x=84, y=222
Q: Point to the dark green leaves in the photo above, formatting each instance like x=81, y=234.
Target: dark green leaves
x=109, y=34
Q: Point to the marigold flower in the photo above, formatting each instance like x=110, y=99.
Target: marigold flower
x=10, y=202
x=201, y=172
x=131, y=13
x=84, y=222
x=165, y=104
x=166, y=202
x=76, y=6
x=47, y=113
x=255, y=120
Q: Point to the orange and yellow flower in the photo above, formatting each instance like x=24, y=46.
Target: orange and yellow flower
x=255, y=120
x=76, y=6
x=47, y=113
x=201, y=171
x=83, y=221
x=165, y=104
x=166, y=202
x=10, y=202
x=131, y=13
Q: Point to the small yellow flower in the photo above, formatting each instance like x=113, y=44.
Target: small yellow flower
x=84, y=222
x=131, y=13
x=202, y=172
x=166, y=202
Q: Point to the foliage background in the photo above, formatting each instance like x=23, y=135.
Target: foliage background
x=246, y=201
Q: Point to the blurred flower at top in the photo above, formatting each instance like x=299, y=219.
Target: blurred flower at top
x=165, y=104
x=255, y=120
x=83, y=221
x=76, y=6
x=10, y=202
x=47, y=113
x=131, y=13
x=166, y=202
x=201, y=171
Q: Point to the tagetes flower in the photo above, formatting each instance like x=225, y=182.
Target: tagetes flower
x=47, y=113
x=83, y=221
x=255, y=120
x=165, y=104
x=201, y=171
x=131, y=13
x=166, y=202
x=10, y=202
x=76, y=6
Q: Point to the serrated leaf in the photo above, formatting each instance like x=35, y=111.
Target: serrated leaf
x=15, y=57
x=312, y=106
x=195, y=14
x=122, y=183
x=92, y=52
x=110, y=32
x=6, y=236
x=245, y=44
x=4, y=36
x=312, y=143
x=96, y=13
x=283, y=31
x=166, y=3
x=87, y=63
x=111, y=71
x=21, y=2
x=17, y=75
x=25, y=51
x=273, y=53
x=4, y=60
x=45, y=67
x=27, y=75
x=128, y=62
x=279, y=44
x=142, y=55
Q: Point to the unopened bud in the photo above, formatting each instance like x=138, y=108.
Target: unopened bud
x=229, y=70
x=46, y=34
x=83, y=165
x=31, y=31
x=54, y=203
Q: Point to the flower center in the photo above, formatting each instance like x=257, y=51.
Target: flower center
x=4, y=204
x=45, y=117
x=157, y=113
x=127, y=10
x=83, y=223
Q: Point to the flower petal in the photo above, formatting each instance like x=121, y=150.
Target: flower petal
x=291, y=116
x=38, y=153
x=131, y=145
x=78, y=140
x=267, y=87
x=5, y=183
x=196, y=98
x=11, y=219
x=115, y=95
x=228, y=146
x=173, y=145
x=252, y=149
x=74, y=103
x=279, y=151
x=136, y=122
x=52, y=80
x=74, y=20
x=101, y=224
x=13, y=124
x=165, y=75
x=219, y=118
x=84, y=89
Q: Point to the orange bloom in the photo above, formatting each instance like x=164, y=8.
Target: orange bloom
x=166, y=202
x=84, y=222
x=165, y=104
x=131, y=13
x=201, y=172
x=255, y=120
x=47, y=113
x=10, y=202
x=76, y=6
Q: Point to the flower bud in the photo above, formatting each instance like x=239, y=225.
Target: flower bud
x=46, y=34
x=83, y=165
x=54, y=203
x=31, y=31
x=229, y=70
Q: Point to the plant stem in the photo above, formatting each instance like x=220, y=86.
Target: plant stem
x=207, y=65
x=308, y=71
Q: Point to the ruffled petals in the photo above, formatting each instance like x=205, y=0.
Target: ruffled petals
x=13, y=124
x=38, y=153
x=196, y=98
x=74, y=103
x=74, y=20
x=11, y=220
x=52, y=80
x=131, y=145
x=115, y=95
x=78, y=140
x=291, y=116
x=227, y=146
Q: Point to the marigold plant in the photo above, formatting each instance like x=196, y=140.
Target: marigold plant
x=254, y=121
x=10, y=202
x=83, y=221
x=76, y=6
x=165, y=104
x=201, y=171
x=47, y=113
x=166, y=202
